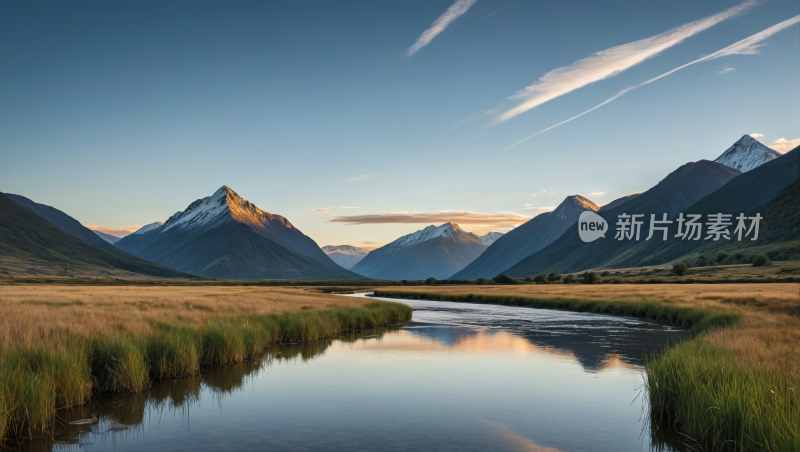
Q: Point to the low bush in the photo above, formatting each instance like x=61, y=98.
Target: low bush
x=502, y=278
x=680, y=268
x=761, y=261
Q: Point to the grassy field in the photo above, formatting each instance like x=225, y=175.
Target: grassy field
x=735, y=385
x=59, y=344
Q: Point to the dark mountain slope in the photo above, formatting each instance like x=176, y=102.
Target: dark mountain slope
x=26, y=239
x=619, y=201
x=62, y=221
x=768, y=190
x=679, y=190
x=526, y=239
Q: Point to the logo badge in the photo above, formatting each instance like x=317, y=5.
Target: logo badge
x=591, y=226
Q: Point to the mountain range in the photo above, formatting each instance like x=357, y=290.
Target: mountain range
x=225, y=236
x=437, y=251
x=695, y=188
x=526, y=239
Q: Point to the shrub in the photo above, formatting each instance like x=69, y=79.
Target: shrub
x=721, y=256
x=539, y=278
x=569, y=279
x=604, y=274
x=502, y=278
x=528, y=279
x=481, y=280
x=680, y=268
x=701, y=261
x=404, y=282
x=761, y=261
x=430, y=281
x=589, y=278
x=553, y=277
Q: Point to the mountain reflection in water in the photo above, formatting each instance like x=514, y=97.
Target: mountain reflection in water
x=460, y=376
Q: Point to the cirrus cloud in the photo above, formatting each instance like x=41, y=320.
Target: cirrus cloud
x=610, y=62
x=455, y=11
x=358, y=178
x=748, y=46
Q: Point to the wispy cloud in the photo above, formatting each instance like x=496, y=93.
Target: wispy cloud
x=756, y=135
x=725, y=70
x=326, y=209
x=783, y=145
x=610, y=62
x=747, y=46
x=539, y=210
x=453, y=12
x=481, y=114
x=358, y=178
x=477, y=220
x=596, y=193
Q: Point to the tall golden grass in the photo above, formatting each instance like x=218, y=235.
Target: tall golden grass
x=60, y=343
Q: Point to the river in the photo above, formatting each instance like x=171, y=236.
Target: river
x=459, y=377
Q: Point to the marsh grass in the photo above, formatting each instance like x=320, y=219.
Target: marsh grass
x=63, y=367
x=733, y=386
x=722, y=405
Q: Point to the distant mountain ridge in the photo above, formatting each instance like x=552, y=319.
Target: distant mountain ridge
x=526, y=239
x=672, y=195
x=436, y=251
x=226, y=236
x=112, y=239
x=746, y=154
x=345, y=255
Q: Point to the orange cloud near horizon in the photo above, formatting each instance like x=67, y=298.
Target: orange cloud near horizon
x=479, y=223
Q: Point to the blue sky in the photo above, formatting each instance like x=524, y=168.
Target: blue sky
x=122, y=114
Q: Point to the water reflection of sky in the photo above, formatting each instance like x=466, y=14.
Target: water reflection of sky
x=460, y=377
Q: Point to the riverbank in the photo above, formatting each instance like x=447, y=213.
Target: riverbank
x=59, y=345
x=735, y=385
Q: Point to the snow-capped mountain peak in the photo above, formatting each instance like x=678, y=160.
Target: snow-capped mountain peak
x=746, y=154
x=450, y=230
x=203, y=212
x=224, y=203
x=572, y=203
x=490, y=237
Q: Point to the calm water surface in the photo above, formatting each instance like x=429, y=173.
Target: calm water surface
x=459, y=377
